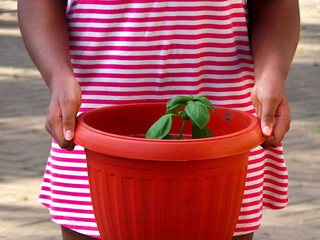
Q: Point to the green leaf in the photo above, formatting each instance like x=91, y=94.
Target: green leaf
x=198, y=113
x=168, y=136
x=175, y=108
x=200, y=133
x=176, y=103
x=205, y=101
x=160, y=128
x=184, y=115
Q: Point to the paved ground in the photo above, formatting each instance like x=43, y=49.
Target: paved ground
x=24, y=144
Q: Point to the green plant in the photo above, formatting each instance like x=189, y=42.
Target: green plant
x=196, y=109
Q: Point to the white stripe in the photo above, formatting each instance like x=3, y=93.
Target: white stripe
x=74, y=198
x=200, y=60
x=69, y=164
x=280, y=156
x=255, y=190
x=254, y=182
x=143, y=42
x=134, y=89
x=274, y=202
x=160, y=33
x=279, y=180
x=250, y=216
x=68, y=189
x=77, y=223
x=72, y=214
x=67, y=155
x=158, y=70
x=220, y=103
x=173, y=79
x=274, y=186
x=154, y=52
x=252, y=207
x=66, y=172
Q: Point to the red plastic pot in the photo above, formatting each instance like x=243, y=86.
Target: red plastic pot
x=145, y=189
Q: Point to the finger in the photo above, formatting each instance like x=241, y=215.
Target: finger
x=268, y=143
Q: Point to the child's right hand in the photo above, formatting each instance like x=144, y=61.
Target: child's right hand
x=64, y=106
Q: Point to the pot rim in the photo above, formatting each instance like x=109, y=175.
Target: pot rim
x=253, y=131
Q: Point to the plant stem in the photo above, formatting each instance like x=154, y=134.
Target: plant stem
x=182, y=128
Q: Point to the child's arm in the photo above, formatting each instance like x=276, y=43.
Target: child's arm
x=274, y=32
x=44, y=30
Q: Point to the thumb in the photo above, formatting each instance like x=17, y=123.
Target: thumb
x=267, y=120
x=68, y=122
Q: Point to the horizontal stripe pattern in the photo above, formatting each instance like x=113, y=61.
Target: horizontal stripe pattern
x=135, y=51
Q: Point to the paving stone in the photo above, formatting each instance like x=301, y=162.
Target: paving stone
x=24, y=144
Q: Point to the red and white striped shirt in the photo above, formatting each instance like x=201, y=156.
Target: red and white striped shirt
x=129, y=51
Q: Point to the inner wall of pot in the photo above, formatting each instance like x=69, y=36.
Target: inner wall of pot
x=135, y=120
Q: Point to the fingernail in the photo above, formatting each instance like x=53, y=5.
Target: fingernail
x=68, y=135
x=267, y=130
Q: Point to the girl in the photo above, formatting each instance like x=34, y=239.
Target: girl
x=104, y=52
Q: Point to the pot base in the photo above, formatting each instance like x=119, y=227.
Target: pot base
x=148, y=200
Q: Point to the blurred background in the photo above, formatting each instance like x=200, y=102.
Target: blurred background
x=24, y=144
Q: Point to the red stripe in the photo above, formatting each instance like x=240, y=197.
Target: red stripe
x=166, y=57
x=73, y=194
x=70, y=210
x=273, y=205
x=252, y=212
x=144, y=47
x=254, y=186
x=70, y=160
x=105, y=29
x=157, y=66
x=100, y=2
x=276, y=151
x=178, y=92
x=257, y=152
x=256, y=169
x=166, y=84
x=68, y=168
x=46, y=188
x=252, y=195
x=274, y=166
x=64, y=201
x=276, y=183
x=42, y=196
x=69, y=185
x=70, y=218
x=163, y=75
x=167, y=9
x=247, y=228
x=275, y=191
x=279, y=176
x=250, y=220
x=254, y=178
x=275, y=199
x=65, y=176
x=256, y=161
x=146, y=19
